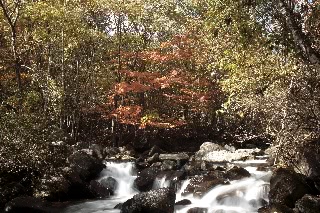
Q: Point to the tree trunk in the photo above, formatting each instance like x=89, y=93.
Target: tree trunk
x=12, y=17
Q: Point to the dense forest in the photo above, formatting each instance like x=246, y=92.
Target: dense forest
x=125, y=72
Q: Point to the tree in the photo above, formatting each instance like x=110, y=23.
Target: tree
x=12, y=11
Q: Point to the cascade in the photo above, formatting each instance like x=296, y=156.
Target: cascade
x=240, y=196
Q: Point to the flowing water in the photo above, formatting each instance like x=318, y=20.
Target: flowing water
x=241, y=196
x=124, y=174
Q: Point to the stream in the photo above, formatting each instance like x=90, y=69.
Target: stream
x=240, y=196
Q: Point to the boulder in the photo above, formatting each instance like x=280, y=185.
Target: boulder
x=236, y=173
x=213, y=153
x=109, y=183
x=197, y=210
x=97, y=190
x=155, y=201
x=85, y=165
x=308, y=204
x=183, y=202
x=28, y=204
x=145, y=179
x=287, y=186
x=309, y=158
x=201, y=184
x=206, y=148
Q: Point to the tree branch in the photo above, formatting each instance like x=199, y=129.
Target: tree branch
x=301, y=41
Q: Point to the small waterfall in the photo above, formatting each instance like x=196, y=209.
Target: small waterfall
x=124, y=174
x=240, y=196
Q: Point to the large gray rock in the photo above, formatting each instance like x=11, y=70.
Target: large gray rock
x=215, y=153
x=155, y=201
x=97, y=190
x=287, y=186
x=109, y=183
x=87, y=166
x=308, y=204
x=206, y=148
x=309, y=158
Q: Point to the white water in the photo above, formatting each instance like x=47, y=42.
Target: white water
x=234, y=198
x=124, y=174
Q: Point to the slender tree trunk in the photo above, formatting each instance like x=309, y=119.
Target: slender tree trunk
x=115, y=123
x=12, y=18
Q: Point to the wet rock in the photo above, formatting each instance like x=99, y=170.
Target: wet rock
x=145, y=179
x=237, y=173
x=197, y=210
x=118, y=206
x=109, y=183
x=256, y=203
x=201, y=184
x=87, y=166
x=183, y=202
x=97, y=190
x=308, y=204
x=155, y=201
x=28, y=204
x=287, y=186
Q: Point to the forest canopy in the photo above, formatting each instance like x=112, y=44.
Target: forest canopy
x=95, y=70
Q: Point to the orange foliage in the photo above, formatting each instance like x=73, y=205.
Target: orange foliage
x=128, y=114
x=177, y=87
x=123, y=87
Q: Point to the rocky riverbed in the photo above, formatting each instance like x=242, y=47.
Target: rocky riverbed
x=171, y=182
